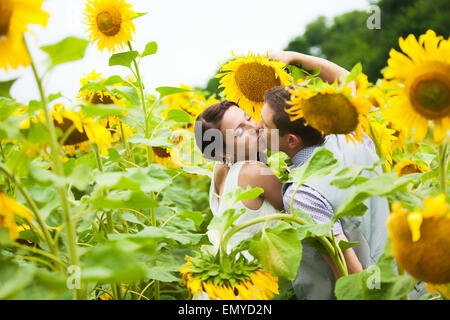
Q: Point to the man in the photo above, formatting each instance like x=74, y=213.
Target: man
x=317, y=274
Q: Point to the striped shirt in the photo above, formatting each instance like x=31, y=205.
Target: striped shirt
x=307, y=198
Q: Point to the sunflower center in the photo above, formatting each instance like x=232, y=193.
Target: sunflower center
x=410, y=168
x=102, y=98
x=161, y=152
x=75, y=136
x=331, y=113
x=254, y=79
x=6, y=12
x=430, y=95
x=109, y=22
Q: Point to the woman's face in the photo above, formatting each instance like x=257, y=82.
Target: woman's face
x=240, y=134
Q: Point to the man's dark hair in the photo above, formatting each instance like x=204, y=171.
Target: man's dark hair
x=211, y=118
x=278, y=99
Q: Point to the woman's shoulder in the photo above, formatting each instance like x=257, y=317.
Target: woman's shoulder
x=254, y=168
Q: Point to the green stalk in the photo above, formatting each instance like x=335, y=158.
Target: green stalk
x=144, y=108
x=323, y=240
x=443, y=168
x=149, y=151
x=54, y=145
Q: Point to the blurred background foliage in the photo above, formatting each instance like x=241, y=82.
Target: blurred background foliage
x=346, y=40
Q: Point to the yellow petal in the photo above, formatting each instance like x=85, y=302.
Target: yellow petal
x=414, y=221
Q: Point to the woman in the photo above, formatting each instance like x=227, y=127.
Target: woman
x=235, y=148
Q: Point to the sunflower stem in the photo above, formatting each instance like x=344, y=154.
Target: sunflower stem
x=149, y=151
x=54, y=146
x=443, y=168
x=323, y=240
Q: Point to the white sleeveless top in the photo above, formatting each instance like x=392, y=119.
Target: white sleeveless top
x=218, y=206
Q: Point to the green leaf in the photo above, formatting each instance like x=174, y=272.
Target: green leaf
x=161, y=274
x=53, y=96
x=344, y=245
x=356, y=70
x=80, y=176
x=102, y=110
x=314, y=72
x=278, y=250
x=139, y=14
x=239, y=194
x=278, y=164
x=321, y=163
x=113, y=80
x=349, y=287
x=179, y=197
x=5, y=87
x=346, y=177
x=296, y=72
x=150, y=48
x=223, y=222
x=13, y=278
x=112, y=261
x=318, y=229
x=178, y=115
x=7, y=106
x=380, y=185
x=67, y=50
x=160, y=140
x=123, y=59
x=124, y=199
x=196, y=170
x=167, y=91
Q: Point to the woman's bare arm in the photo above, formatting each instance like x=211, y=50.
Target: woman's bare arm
x=257, y=174
x=329, y=71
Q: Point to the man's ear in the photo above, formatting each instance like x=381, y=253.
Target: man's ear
x=294, y=141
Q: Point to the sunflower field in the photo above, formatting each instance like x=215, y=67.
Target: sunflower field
x=106, y=196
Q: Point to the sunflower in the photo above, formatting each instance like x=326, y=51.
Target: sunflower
x=99, y=97
x=442, y=289
x=84, y=130
x=192, y=102
x=164, y=156
x=245, y=282
x=420, y=240
x=329, y=110
x=246, y=79
x=8, y=208
x=15, y=16
x=406, y=166
x=110, y=23
x=385, y=137
x=420, y=82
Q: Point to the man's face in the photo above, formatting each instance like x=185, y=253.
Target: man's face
x=269, y=133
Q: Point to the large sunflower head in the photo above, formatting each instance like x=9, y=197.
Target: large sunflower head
x=329, y=110
x=242, y=281
x=246, y=79
x=15, y=16
x=420, y=240
x=420, y=79
x=110, y=23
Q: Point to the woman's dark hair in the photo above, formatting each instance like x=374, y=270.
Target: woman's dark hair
x=211, y=118
x=278, y=99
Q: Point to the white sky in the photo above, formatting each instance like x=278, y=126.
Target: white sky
x=192, y=36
